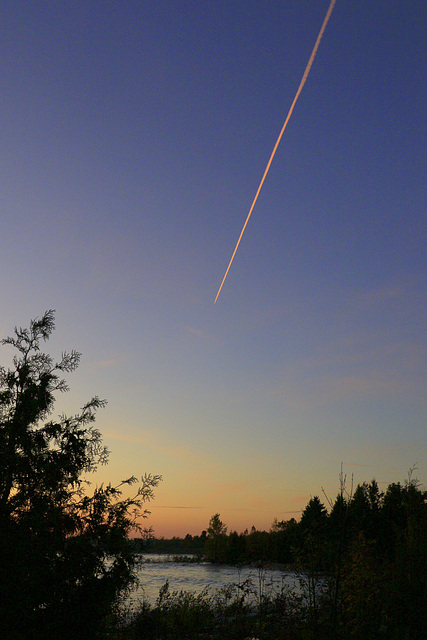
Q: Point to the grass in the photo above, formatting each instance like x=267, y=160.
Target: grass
x=237, y=611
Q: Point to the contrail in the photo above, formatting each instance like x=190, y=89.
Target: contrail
x=302, y=83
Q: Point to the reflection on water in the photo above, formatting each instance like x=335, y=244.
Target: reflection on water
x=155, y=570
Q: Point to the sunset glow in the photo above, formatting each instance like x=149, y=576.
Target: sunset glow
x=134, y=135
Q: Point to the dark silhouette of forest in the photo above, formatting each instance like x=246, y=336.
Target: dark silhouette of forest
x=362, y=561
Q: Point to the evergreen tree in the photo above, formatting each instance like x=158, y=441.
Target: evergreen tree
x=216, y=540
x=64, y=557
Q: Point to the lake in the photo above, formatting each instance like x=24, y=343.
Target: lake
x=155, y=570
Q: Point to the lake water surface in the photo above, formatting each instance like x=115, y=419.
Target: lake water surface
x=155, y=570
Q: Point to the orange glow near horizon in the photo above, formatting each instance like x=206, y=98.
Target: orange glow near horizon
x=169, y=522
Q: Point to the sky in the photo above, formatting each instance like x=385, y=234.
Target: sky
x=133, y=138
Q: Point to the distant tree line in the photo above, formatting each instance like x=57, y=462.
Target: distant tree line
x=385, y=521
x=363, y=560
x=189, y=545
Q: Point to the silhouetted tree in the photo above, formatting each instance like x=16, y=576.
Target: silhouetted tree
x=311, y=553
x=258, y=544
x=364, y=510
x=285, y=536
x=216, y=540
x=236, y=548
x=64, y=557
x=384, y=579
x=405, y=509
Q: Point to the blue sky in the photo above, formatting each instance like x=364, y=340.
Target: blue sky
x=134, y=136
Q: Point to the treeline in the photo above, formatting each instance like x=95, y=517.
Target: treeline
x=386, y=522
x=190, y=545
x=362, y=560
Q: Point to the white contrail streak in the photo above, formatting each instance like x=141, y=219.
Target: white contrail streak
x=302, y=83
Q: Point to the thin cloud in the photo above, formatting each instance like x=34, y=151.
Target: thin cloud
x=160, y=443
x=164, y=506
x=125, y=437
x=197, y=332
x=101, y=364
x=349, y=386
x=373, y=299
x=226, y=509
x=369, y=466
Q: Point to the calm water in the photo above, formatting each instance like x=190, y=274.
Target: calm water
x=155, y=570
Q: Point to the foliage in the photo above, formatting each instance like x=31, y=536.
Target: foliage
x=64, y=556
x=362, y=566
x=190, y=546
x=177, y=614
x=215, y=548
x=229, y=612
x=362, y=569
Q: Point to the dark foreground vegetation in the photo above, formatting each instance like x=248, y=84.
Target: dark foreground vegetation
x=362, y=569
x=56, y=533
x=66, y=562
